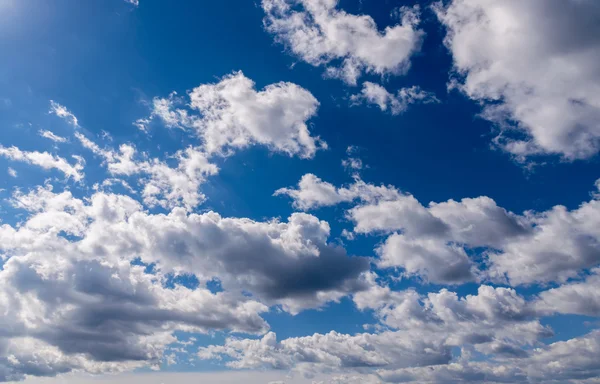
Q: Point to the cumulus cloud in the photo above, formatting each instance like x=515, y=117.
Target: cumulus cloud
x=581, y=297
x=430, y=259
x=332, y=351
x=62, y=112
x=45, y=160
x=312, y=192
x=431, y=241
x=288, y=263
x=231, y=115
x=348, y=45
x=226, y=116
x=561, y=243
x=536, y=73
x=394, y=103
x=76, y=298
x=70, y=306
x=491, y=318
x=163, y=185
x=496, y=322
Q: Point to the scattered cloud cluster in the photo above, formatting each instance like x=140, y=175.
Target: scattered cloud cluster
x=432, y=242
x=76, y=290
x=496, y=323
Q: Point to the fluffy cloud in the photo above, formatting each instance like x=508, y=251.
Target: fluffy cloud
x=312, y=192
x=45, y=160
x=320, y=34
x=332, y=351
x=581, y=298
x=496, y=322
x=163, y=185
x=561, y=242
x=235, y=116
x=71, y=307
x=231, y=115
x=75, y=297
x=396, y=104
x=430, y=259
x=494, y=318
x=226, y=116
x=431, y=241
x=289, y=263
x=286, y=263
x=536, y=72
x=575, y=359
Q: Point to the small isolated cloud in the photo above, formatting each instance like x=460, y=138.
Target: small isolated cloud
x=51, y=136
x=62, y=112
x=394, y=103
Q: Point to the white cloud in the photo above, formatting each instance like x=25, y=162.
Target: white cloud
x=396, y=104
x=547, y=246
x=73, y=300
x=231, y=115
x=496, y=322
x=560, y=244
x=163, y=185
x=134, y=2
x=12, y=172
x=62, y=112
x=333, y=351
x=320, y=34
x=288, y=263
x=51, y=136
x=45, y=160
x=431, y=259
x=491, y=317
x=312, y=192
x=581, y=298
x=88, y=307
x=536, y=72
x=566, y=360
x=234, y=115
x=353, y=163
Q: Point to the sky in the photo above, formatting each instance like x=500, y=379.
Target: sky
x=300, y=191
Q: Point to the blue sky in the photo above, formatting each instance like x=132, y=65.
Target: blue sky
x=339, y=191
